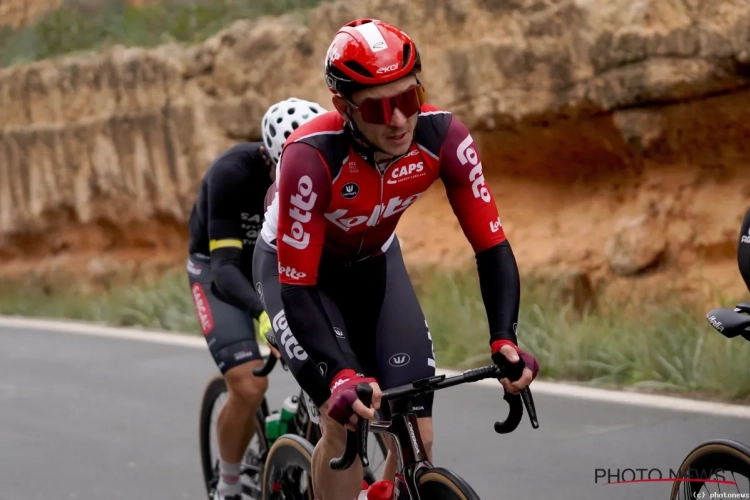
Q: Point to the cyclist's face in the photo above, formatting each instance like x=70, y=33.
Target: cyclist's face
x=396, y=136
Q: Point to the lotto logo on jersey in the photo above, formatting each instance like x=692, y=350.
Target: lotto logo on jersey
x=406, y=172
x=302, y=203
x=290, y=272
x=495, y=225
x=393, y=206
x=467, y=154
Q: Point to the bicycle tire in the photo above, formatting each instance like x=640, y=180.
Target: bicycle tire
x=442, y=484
x=287, y=449
x=717, y=454
x=215, y=387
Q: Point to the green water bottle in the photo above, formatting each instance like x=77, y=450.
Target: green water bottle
x=273, y=427
x=278, y=423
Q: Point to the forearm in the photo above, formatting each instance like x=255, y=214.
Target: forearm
x=234, y=287
x=500, y=285
x=312, y=328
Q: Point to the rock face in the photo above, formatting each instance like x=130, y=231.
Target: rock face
x=17, y=13
x=635, y=244
x=584, y=111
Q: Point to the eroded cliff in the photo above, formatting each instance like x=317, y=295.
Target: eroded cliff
x=586, y=112
x=18, y=13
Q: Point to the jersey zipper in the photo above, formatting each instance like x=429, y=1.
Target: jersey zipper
x=378, y=211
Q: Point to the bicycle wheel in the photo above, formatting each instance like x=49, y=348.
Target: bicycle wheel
x=443, y=484
x=288, y=470
x=722, y=459
x=251, y=467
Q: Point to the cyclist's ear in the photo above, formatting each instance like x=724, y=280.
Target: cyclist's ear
x=341, y=106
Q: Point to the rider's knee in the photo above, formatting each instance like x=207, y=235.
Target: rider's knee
x=243, y=384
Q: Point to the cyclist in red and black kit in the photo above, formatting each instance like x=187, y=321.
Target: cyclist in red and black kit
x=329, y=263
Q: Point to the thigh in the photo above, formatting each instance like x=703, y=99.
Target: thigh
x=229, y=331
x=405, y=351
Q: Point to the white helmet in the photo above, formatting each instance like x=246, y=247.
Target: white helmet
x=282, y=119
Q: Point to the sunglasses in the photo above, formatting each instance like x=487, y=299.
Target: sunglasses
x=380, y=111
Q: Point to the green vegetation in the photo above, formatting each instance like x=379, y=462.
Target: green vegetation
x=162, y=304
x=95, y=24
x=653, y=345
x=660, y=346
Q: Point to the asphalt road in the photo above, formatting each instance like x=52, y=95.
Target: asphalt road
x=94, y=418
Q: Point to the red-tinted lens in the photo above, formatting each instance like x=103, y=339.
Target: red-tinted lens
x=380, y=111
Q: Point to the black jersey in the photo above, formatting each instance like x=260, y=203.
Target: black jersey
x=227, y=218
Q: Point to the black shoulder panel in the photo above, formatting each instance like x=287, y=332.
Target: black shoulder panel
x=333, y=147
x=432, y=127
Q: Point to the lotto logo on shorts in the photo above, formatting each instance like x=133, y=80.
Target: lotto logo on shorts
x=201, y=306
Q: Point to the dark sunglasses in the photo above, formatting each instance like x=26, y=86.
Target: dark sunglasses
x=380, y=111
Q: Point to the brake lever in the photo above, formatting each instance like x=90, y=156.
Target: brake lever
x=528, y=402
x=271, y=339
x=513, y=371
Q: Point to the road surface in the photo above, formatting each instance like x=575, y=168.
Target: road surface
x=103, y=418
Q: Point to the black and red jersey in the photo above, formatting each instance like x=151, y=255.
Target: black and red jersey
x=330, y=197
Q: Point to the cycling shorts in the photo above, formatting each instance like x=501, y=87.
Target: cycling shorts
x=229, y=331
x=376, y=318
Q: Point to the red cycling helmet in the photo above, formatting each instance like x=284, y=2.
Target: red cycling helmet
x=368, y=52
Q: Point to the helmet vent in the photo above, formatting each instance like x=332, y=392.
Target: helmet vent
x=358, y=68
x=407, y=54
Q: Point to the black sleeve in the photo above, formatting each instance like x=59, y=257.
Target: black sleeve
x=312, y=328
x=500, y=284
x=226, y=189
x=232, y=283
